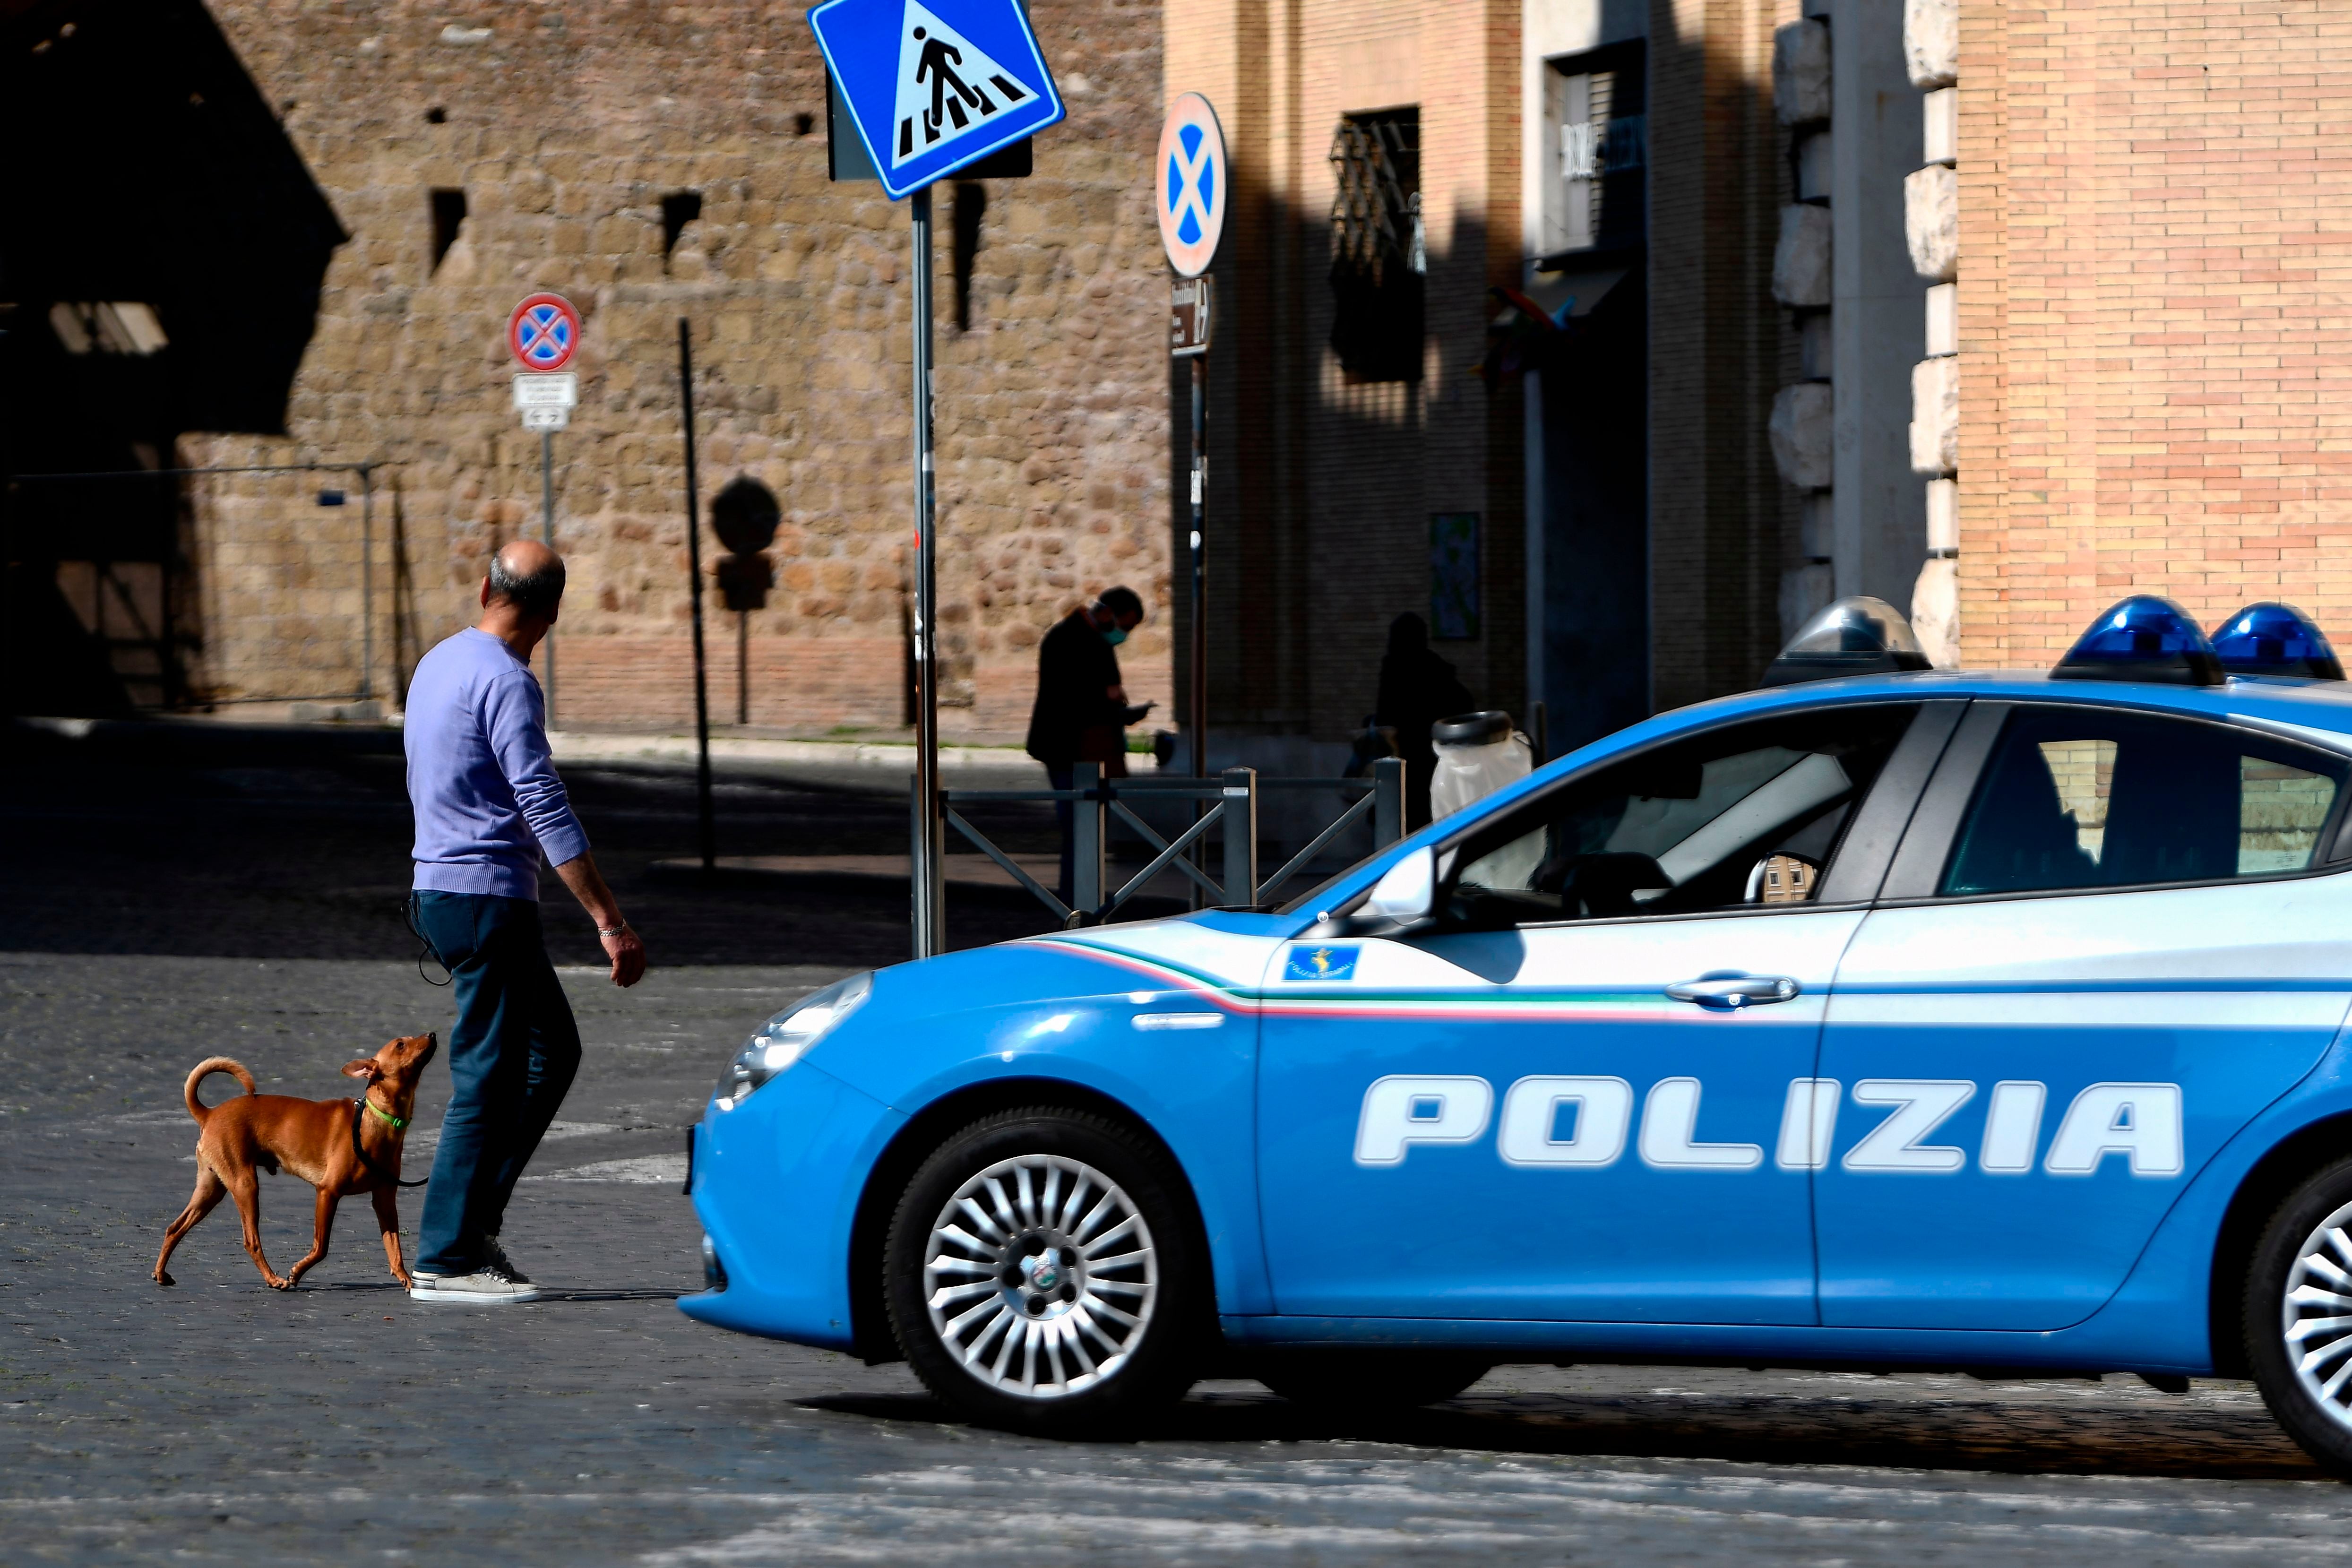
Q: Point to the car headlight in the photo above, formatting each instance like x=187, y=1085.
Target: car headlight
x=786, y=1037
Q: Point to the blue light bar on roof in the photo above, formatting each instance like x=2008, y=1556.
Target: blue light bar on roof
x=2271, y=639
x=2143, y=638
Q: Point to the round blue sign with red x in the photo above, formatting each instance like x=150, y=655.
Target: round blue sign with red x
x=544, y=332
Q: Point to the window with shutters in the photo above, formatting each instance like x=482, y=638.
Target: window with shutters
x=1597, y=137
x=1380, y=252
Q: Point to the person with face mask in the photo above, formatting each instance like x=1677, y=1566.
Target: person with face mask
x=1082, y=712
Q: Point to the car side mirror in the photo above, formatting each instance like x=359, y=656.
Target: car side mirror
x=1404, y=899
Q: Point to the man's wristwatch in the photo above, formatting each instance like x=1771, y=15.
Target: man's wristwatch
x=613, y=931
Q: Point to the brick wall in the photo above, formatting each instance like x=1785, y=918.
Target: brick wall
x=1723, y=522
x=565, y=128
x=1321, y=488
x=2154, y=277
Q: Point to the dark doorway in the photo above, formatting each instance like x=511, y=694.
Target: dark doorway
x=1596, y=543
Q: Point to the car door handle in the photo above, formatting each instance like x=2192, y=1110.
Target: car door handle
x=1725, y=992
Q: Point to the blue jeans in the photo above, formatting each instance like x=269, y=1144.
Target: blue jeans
x=513, y=1056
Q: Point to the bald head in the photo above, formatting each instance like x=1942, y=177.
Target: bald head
x=527, y=575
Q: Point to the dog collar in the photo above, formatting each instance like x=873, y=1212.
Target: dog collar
x=397, y=1124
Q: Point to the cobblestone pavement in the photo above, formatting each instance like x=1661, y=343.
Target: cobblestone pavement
x=145, y=923
x=223, y=1421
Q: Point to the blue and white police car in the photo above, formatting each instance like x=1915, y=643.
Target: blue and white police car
x=1912, y=1018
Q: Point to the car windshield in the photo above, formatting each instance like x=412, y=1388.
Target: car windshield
x=1699, y=820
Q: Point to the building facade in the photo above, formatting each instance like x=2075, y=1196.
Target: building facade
x=2152, y=391
x=1661, y=325
x=651, y=163
x=1611, y=337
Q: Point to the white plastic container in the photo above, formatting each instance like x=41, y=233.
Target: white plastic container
x=1478, y=754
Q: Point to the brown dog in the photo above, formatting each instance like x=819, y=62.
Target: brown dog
x=314, y=1140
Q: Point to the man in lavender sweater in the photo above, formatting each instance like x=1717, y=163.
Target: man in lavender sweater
x=489, y=807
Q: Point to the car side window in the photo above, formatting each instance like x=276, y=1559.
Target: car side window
x=2074, y=797
x=1746, y=815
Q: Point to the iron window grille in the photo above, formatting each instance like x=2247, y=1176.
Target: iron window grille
x=1380, y=251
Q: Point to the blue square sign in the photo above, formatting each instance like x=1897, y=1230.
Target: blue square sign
x=934, y=86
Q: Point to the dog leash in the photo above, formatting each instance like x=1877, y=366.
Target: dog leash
x=397, y=1124
x=425, y=946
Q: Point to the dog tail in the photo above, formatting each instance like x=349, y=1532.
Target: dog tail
x=204, y=1070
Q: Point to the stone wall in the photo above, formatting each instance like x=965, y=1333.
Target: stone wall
x=564, y=127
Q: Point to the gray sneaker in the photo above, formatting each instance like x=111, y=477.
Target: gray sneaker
x=495, y=1256
x=488, y=1286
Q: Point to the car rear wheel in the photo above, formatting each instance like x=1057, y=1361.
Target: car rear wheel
x=1366, y=1382
x=2298, y=1317
x=1041, y=1273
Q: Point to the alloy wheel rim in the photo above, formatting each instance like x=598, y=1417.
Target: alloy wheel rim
x=1040, y=1277
x=2315, y=1316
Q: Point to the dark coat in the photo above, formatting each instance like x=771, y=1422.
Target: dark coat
x=1417, y=689
x=1073, y=721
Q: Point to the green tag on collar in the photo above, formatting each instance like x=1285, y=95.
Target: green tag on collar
x=397, y=1124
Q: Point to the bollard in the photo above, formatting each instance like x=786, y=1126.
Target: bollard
x=1387, y=801
x=1086, y=844
x=1241, y=837
x=917, y=904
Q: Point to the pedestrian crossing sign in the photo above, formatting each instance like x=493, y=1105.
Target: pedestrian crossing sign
x=935, y=87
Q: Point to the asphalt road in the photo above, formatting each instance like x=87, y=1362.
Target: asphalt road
x=223, y=1421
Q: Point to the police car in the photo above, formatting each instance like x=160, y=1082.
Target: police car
x=1881, y=1017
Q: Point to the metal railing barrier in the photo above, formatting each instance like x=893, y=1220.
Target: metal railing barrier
x=1232, y=800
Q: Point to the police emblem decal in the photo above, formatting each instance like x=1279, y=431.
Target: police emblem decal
x=1312, y=961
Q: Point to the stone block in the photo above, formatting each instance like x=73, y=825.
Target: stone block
x=1931, y=41
x=1801, y=262
x=1802, y=434
x=1943, y=319
x=1816, y=342
x=1943, y=515
x=1935, y=416
x=1936, y=611
x=1801, y=72
x=1931, y=222
x=1805, y=591
x=1813, y=156
x=1940, y=126
x=1817, y=527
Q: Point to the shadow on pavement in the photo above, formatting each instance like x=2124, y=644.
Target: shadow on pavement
x=1767, y=1429
x=196, y=841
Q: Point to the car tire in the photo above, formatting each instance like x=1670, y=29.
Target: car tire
x=1082, y=1232
x=2302, y=1266
x=1369, y=1382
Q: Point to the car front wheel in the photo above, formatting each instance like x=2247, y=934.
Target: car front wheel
x=1041, y=1274
x=2298, y=1317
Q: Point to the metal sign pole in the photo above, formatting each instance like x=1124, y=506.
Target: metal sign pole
x=1190, y=203
x=694, y=596
x=1200, y=651
x=547, y=536
x=367, y=581
x=924, y=863
x=1200, y=703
